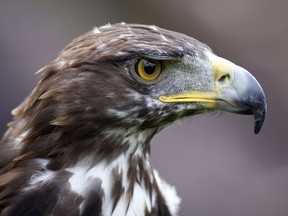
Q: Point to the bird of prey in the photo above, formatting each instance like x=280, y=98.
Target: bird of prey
x=80, y=143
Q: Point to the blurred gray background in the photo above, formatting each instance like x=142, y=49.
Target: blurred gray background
x=219, y=167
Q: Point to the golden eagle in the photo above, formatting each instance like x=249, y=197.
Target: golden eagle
x=80, y=143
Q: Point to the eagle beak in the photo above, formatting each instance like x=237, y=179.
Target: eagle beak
x=235, y=90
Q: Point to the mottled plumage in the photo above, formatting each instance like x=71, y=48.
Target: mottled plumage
x=80, y=143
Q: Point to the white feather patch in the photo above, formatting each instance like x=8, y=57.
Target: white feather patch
x=169, y=193
x=153, y=27
x=108, y=25
x=18, y=140
x=96, y=30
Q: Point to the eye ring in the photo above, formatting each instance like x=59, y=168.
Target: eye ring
x=148, y=69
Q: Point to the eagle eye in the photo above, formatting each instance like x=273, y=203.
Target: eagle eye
x=148, y=69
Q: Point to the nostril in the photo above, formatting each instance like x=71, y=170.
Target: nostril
x=224, y=80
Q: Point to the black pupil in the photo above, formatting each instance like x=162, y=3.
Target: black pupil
x=149, y=67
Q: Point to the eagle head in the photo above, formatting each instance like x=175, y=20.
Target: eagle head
x=87, y=125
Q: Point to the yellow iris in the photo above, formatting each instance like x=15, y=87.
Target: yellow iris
x=148, y=69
